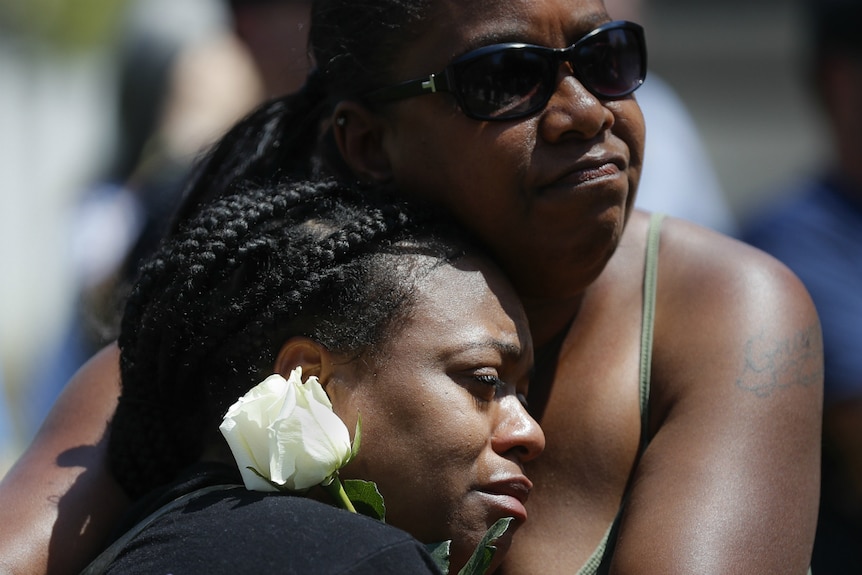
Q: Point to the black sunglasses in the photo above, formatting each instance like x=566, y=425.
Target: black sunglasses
x=509, y=81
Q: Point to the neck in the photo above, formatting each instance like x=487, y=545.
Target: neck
x=550, y=317
x=549, y=323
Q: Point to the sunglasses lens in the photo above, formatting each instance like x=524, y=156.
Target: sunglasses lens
x=508, y=83
x=611, y=64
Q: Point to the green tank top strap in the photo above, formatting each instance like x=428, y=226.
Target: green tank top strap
x=599, y=561
x=648, y=319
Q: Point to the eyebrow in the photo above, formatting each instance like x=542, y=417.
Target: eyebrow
x=593, y=21
x=495, y=36
x=511, y=350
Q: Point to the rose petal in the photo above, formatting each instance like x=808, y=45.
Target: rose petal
x=288, y=432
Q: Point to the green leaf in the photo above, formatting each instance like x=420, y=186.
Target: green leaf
x=357, y=437
x=440, y=554
x=366, y=498
x=484, y=553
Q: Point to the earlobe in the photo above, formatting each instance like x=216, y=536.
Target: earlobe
x=311, y=356
x=358, y=134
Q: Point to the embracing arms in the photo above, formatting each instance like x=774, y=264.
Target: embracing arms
x=728, y=484
x=58, y=502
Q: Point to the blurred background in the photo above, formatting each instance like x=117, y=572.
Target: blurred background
x=72, y=136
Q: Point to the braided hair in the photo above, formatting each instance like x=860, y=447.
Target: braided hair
x=215, y=303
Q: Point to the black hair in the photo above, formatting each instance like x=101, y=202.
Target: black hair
x=215, y=303
x=834, y=26
x=832, y=30
x=352, y=45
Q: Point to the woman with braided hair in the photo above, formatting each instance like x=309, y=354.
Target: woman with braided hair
x=678, y=385
x=351, y=287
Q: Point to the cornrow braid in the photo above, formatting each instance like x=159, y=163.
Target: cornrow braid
x=275, y=141
x=217, y=300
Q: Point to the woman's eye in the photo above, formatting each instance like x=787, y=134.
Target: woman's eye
x=491, y=380
x=487, y=386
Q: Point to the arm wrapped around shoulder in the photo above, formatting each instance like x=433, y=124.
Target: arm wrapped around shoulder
x=730, y=480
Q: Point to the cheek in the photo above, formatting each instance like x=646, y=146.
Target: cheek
x=461, y=164
x=424, y=456
x=630, y=128
x=413, y=436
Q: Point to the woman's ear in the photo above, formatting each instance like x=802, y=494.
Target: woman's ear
x=359, y=136
x=313, y=357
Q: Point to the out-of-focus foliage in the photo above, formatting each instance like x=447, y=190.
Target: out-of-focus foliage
x=62, y=24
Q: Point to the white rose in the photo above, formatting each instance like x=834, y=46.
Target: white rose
x=287, y=432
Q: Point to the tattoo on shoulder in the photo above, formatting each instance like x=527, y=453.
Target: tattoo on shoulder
x=772, y=364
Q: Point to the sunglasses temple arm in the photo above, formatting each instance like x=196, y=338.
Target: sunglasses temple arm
x=429, y=85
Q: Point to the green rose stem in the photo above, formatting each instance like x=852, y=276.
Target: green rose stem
x=336, y=491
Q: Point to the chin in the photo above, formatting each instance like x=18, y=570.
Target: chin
x=461, y=552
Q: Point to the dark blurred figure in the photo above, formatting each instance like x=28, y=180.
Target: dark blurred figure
x=182, y=79
x=817, y=231
x=275, y=32
x=187, y=70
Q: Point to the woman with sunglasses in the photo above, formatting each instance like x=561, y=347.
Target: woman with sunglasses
x=679, y=387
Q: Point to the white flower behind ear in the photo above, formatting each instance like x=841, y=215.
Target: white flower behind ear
x=285, y=436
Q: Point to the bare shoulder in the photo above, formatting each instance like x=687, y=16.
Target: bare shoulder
x=722, y=301
x=735, y=408
x=691, y=253
x=59, y=502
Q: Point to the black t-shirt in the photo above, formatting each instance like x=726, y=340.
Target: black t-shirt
x=234, y=531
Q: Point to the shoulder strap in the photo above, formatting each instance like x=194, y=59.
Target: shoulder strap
x=599, y=561
x=648, y=318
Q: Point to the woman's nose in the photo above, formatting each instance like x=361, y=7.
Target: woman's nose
x=517, y=431
x=573, y=111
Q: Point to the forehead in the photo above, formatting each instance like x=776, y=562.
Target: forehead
x=456, y=26
x=469, y=299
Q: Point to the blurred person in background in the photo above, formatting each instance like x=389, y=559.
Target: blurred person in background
x=183, y=78
x=187, y=70
x=816, y=229
x=7, y=430
x=678, y=177
x=275, y=32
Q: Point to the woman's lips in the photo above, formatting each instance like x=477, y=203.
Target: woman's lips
x=591, y=172
x=506, y=506
x=584, y=175
x=508, y=497
x=588, y=174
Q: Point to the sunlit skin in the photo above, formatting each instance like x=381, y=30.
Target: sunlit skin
x=554, y=193
x=729, y=482
x=552, y=197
